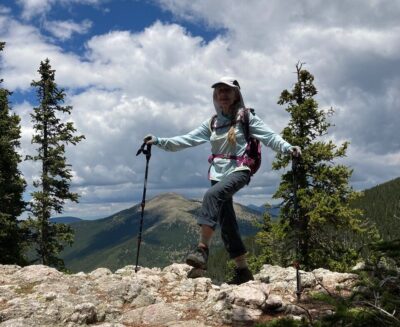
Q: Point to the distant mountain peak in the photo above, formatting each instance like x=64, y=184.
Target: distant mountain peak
x=168, y=196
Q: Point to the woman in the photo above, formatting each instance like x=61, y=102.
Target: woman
x=227, y=175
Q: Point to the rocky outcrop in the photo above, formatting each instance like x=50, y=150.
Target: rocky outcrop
x=41, y=296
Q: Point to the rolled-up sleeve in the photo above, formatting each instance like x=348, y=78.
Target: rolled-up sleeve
x=260, y=131
x=195, y=137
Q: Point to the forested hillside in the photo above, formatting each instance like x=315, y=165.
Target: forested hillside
x=382, y=206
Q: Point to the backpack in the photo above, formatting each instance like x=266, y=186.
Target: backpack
x=252, y=155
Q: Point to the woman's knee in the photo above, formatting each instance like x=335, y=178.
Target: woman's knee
x=210, y=196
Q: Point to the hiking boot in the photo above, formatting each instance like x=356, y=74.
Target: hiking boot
x=196, y=273
x=242, y=275
x=198, y=258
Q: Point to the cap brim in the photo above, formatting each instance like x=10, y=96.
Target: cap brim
x=225, y=83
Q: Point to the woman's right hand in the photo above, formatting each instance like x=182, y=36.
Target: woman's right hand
x=295, y=151
x=150, y=139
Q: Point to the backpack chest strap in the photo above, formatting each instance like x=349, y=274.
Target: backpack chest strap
x=221, y=156
x=240, y=160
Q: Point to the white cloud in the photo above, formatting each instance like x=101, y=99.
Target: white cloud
x=25, y=48
x=264, y=15
x=383, y=43
x=157, y=80
x=64, y=29
x=33, y=8
x=4, y=10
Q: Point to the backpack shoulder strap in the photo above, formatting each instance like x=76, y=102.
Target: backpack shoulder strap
x=212, y=122
x=245, y=119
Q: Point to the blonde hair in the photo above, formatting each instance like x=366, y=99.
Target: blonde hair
x=232, y=135
x=232, y=132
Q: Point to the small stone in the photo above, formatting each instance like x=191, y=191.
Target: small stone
x=84, y=313
x=100, y=272
x=247, y=295
x=196, y=273
x=143, y=300
x=178, y=269
x=296, y=318
x=126, y=271
x=243, y=314
x=359, y=266
x=273, y=303
x=50, y=296
x=295, y=310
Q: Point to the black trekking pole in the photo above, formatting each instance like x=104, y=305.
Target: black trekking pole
x=146, y=150
x=295, y=164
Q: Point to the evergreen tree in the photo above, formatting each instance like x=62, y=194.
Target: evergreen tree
x=12, y=184
x=54, y=183
x=269, y=244
x=321, y=234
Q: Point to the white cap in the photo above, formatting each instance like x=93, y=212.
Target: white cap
x=230, y=81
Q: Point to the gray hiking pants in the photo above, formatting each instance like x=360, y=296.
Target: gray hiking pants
x=218, y=208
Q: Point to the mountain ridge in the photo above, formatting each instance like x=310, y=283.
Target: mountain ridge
x=65, y=220
x=170, y=230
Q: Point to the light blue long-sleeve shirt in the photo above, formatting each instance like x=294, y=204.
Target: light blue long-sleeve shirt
x=221, y=167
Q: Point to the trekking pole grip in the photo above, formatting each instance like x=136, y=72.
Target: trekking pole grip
x=145, y=149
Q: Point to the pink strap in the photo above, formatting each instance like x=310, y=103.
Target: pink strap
x=240, y=160
x=222, y=156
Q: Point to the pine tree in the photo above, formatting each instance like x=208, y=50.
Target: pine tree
x=322, y=232
x=383, y=280
x=12, y=184
x=54, y=183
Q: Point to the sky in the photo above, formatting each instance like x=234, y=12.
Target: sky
x=130, y=68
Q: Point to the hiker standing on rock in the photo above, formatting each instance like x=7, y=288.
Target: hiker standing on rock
x=230, y=169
